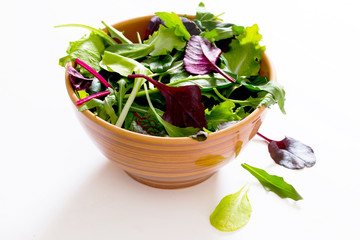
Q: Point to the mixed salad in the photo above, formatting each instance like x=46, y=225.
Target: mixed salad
x=185, y=77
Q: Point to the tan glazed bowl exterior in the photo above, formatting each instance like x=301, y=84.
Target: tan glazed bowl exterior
x=166, y=162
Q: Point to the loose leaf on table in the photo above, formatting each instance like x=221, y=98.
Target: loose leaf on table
x=273, y=183
x=201, y=56
x=233, y=212
x=183, y=104
x=291, y=153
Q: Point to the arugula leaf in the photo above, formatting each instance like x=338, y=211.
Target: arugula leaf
x=172, y=20
x=273, y=183
x=245, y=53
x=164, y=41
x=274, y=88
x=89, y=49
x=233, y=211
x=202, y=14
x=98, y=32
x=109, y=101
x=223, y=112
x=116, y=34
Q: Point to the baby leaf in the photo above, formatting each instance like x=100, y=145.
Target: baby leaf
x=222, y=112
x=201, y=56
x=172, y=20
x=77, y=80
x=183, y=104
x=291, y=153
x=273, y=183
x=245, y=53
x=233, y=212
x=164, y=41
x=172, y=130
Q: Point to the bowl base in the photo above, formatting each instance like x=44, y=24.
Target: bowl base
x=169, y=185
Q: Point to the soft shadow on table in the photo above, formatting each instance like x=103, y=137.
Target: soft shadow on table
x=111, y=205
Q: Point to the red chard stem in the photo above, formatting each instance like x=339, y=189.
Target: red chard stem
x=93, y=72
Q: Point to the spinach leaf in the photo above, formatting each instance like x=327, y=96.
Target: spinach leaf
x=273, y=183
x=233, y=211
x=134, y=51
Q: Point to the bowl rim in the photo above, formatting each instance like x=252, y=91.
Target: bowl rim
x=165, y=140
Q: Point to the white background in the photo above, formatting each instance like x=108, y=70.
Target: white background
x=56, y=185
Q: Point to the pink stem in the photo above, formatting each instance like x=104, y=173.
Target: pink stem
x=96, y=95
x=93, y=72
x=267, y=139
x=224, y=74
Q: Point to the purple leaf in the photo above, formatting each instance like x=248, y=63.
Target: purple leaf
x=201, y=56
x=156, y=21
x=183, y=104
x=291, y=153
x=79, y=82
x=153, y=26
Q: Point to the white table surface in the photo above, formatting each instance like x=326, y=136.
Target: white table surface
x=56, y=185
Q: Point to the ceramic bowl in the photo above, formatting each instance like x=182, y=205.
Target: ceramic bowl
x=166, y=162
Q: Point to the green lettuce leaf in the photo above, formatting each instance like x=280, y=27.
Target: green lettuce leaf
x=172, y=20
x=89, y=49
x=233, y=212
x=222, y=112
x=245, y=53
x=273, y=183
x=164, y=41
x=123, y=65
